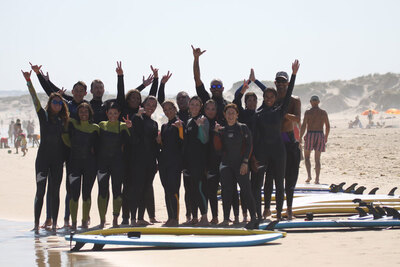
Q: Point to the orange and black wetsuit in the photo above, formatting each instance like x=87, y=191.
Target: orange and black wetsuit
x=170, y=166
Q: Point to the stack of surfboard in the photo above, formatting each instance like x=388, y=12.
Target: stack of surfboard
x=185, y=237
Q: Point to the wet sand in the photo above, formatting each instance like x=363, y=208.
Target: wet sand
x=370, y=157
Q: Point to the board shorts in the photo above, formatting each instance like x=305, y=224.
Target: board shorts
x=314, y=140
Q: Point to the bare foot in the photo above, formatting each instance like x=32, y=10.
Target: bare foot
x=316, y=181
x=266, y=213
x=102, y=224
x=289, y=213
x=191, y=222
x=143, y=223
x=203, y=221
x=66, y=224
x=36, y=228
x=214, y=221
x=154, y=220
x=308, y=180
x=47, y=224
x=171, y=223
x=224, y=223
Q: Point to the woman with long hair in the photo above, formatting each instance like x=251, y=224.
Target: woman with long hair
x=53, y=120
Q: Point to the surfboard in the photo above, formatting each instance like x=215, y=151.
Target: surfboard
x=333, y=223
x=175, y=241
x=179, y=231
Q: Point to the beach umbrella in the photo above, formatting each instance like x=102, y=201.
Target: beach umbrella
x=393, y=111
x=365, y=112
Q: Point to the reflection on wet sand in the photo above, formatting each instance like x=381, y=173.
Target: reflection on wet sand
x=21, y=247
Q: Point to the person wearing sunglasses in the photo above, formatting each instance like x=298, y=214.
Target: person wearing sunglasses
x=82, y=138
x=269, y=148
x=53, y=121
x=216, y=87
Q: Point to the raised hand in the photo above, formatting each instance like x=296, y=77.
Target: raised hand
x=27, y=75
x=295, y=66
x=155, y=71
x=178, y=124
x=127, y=121
x=252, y=76
x=245, y=86
x=218, y=127
x=197, y=52
x=200, y=121
x=140, y=112
x=166, y=77
x=46, y=77
x=119, y=69
x=62, y=91
x=148, y=81
x=35, y=68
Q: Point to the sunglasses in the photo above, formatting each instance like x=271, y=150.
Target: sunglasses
x=216, y=86
x=281, y=81
x=55, y=102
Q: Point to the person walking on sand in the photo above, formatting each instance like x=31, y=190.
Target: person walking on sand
x=315, y=139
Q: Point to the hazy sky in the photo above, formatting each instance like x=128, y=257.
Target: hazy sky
x=82, y=40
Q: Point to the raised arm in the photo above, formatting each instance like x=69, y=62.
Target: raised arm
x=239, y=95
x=120, y=85
x=196, y=66
x=154, y=85
x=161, y=90
x=285, y=104
x=35, y=99
x=145, y=83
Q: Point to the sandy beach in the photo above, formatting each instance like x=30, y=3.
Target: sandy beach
x=369, y=157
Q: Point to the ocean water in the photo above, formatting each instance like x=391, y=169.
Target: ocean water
x=19, y=246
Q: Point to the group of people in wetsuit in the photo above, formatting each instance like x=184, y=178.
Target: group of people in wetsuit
x=207, y=139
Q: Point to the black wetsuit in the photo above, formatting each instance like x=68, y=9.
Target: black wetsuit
x=50, y=158
x=235, y=143
x=184, y=116
x=113, y=137
x=211, y=184
x=247, y=116
x=83, y=137
x=269, y=147
x=99, y=109
x=170, y=166
x=130, y=112
x=143, y=163
x=195, y=153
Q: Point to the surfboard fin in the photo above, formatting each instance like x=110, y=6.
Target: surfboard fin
x=77, y=247
x=357, y=200
x=361, y=212
x=351, y=188
x=271, y=225
x=372, y=211
x=392, y=212
x=98, y=247
x=380, y=211
x=134, y=234
x=373, y=191
x=391, y=193
x=360, y=190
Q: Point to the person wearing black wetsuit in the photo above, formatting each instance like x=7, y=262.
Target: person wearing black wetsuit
x=143, y=163
x=210, y=187
x=246, y=116
x=82, y=137
x=269, y=147
x=114, y=136
x=130, y=104
x=171, y=161
x=50, y=155
x=234, y=141
x=195, y=153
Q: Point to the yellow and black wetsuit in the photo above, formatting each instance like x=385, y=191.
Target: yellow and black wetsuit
x=113, y=136
x=50, y=158
x=170, y=166
x=82, y=139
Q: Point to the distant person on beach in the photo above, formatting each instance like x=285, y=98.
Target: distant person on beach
x=50, y=156
x=23, y=144
x=11, y=131
x=315, y=139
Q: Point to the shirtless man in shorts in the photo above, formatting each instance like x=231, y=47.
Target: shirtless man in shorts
x=315, y=139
